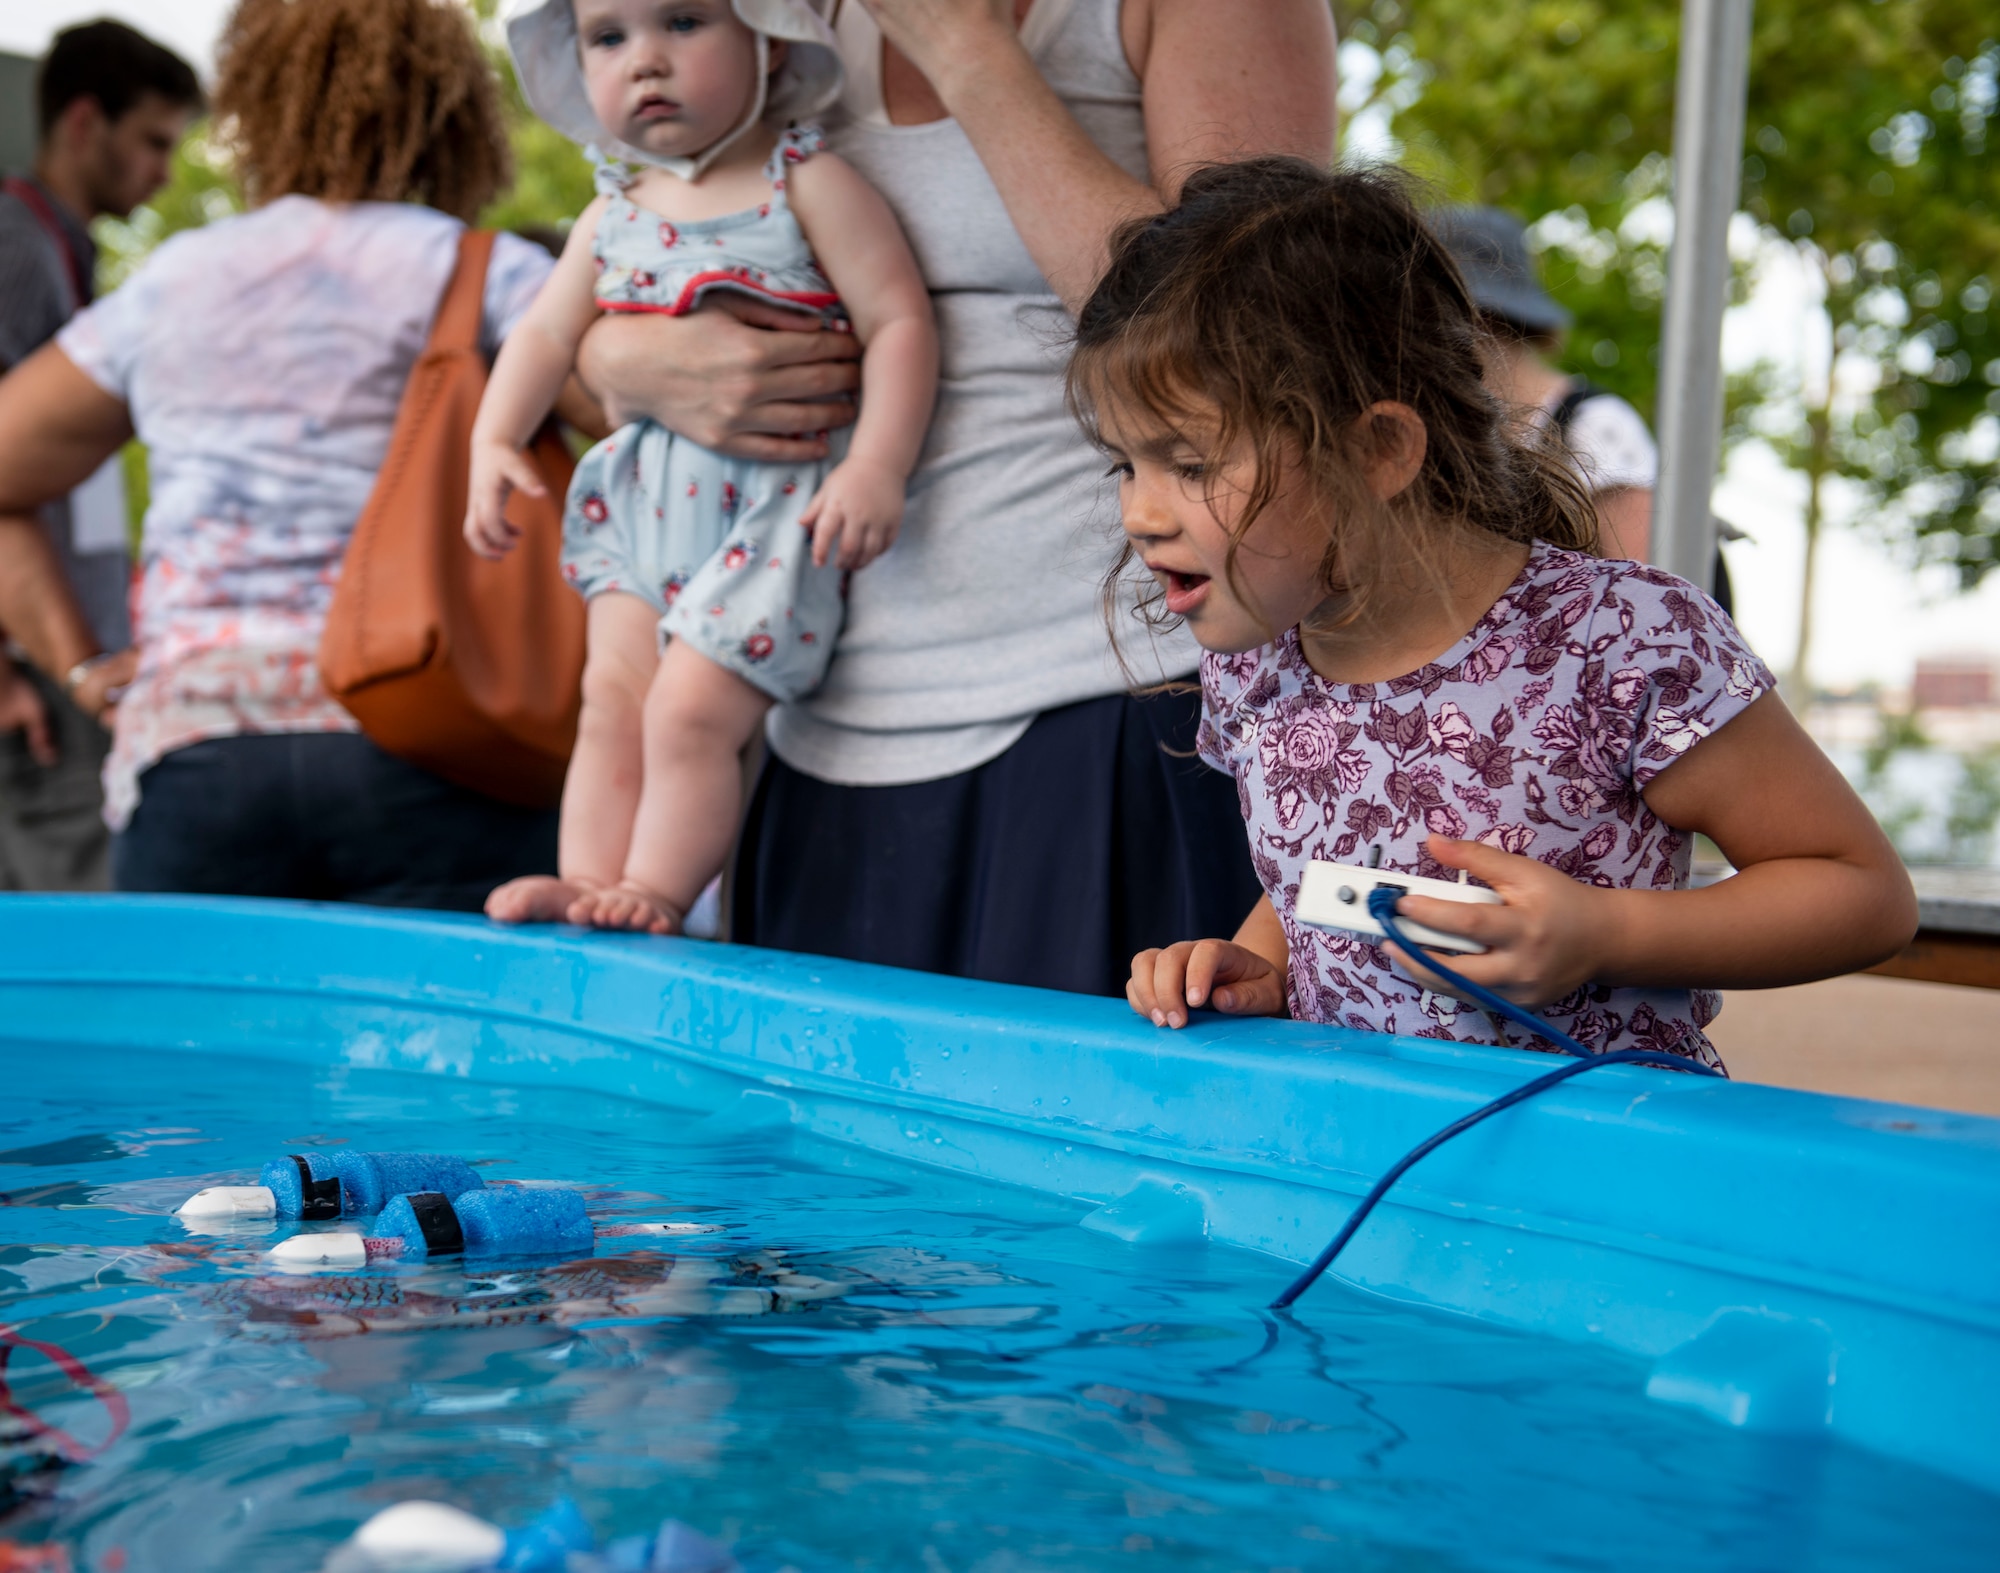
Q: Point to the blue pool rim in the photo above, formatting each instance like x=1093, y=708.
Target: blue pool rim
x=1788, y=1262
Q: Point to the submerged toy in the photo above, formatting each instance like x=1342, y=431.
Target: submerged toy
x=428, y=1223
x=315, y=1186
x=637, y=1286
x=439, y=1538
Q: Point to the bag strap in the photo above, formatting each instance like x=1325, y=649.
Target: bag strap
x=464, y=302
x=1581, y=392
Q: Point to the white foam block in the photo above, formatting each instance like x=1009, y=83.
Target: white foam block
x=231, y=1201
x=432, y=1535
x=1335, y=896
x=321, y=1250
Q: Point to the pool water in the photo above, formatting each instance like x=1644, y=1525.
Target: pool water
x=865, y=1365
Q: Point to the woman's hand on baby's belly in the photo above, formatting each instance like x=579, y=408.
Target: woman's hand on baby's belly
x=738, y=377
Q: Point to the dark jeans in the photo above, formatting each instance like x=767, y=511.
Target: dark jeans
x=1094, y=837
x=322, y=816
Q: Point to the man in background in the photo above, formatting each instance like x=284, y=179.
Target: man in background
x=111, y=106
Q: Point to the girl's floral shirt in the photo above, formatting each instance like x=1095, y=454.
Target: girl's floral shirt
x=1536, y=733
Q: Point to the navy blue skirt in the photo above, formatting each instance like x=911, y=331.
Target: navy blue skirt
x=1096, y=836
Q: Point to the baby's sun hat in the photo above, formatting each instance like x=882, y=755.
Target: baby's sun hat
x=541, y=36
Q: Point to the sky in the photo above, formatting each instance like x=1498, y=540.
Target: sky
x=1874, y=617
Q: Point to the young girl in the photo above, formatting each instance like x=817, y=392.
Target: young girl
x=1413, y=650
x=735, y=568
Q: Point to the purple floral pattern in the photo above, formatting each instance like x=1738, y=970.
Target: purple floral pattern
x=1537, y=733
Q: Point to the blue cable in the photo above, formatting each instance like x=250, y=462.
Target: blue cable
x=1382, y=908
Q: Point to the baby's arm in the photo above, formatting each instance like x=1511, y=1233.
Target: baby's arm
x=528, y=374
x=861, y=247
x=1819, y=890
x=1240, y=977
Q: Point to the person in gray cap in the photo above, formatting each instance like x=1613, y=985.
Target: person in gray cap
x=1613, y=449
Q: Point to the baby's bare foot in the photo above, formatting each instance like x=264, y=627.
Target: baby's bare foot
x=536, y=898
x=628, y=907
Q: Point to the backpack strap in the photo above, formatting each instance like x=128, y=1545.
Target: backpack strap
x=464, y=303
x=1581, y=392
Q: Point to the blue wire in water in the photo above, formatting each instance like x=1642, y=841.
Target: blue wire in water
x=1382, y=908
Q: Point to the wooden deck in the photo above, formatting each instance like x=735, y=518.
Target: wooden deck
x=1936, y=1044
x=1921, y=1028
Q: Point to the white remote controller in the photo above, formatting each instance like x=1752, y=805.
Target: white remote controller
x=1335, y=896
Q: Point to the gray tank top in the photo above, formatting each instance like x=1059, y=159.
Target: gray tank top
x=987, y=610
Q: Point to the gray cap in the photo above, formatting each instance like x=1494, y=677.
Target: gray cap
x=1490, y=247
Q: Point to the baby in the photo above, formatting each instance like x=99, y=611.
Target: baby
x=715, y=585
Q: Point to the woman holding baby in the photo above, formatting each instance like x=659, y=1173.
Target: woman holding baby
x=978, y=757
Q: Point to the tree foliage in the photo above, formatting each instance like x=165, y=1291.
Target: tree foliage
x=1868, y=152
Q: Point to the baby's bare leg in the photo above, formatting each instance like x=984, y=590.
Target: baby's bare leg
x=698, y=718
x=601, y=792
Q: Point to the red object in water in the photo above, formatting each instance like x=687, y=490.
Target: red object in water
x=17, y=1558
x=70, y=1448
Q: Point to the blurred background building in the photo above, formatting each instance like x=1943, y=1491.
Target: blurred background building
x=17, y=112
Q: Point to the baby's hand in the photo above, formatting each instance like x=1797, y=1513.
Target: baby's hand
x=1167, y=984
x=1547, y=938
x=497, y=469
x=861, y=505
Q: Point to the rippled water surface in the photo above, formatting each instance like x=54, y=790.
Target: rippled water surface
x=867, y=1365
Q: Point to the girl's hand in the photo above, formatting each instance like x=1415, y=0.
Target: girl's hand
x=860, y=505
x=498, y=468
x=1548, y=938
x=1167, y=984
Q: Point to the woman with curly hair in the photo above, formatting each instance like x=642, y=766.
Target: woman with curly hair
x=262, y=359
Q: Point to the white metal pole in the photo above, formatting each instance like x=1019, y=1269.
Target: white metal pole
x=1708, y=157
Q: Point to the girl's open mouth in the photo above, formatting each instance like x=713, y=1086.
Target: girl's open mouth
x=1185, y=591
x=652, y=107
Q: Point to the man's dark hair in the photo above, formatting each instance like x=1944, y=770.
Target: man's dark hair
x=113, y=64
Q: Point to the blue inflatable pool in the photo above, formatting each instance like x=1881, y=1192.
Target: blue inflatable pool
x=1644, y=1320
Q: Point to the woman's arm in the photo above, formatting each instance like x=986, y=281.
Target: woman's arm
x=1818, y=891
x=737, y=377
x=1219, y=81
x=56, y=428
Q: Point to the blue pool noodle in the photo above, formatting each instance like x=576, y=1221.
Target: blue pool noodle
x=368, y=1180
x=500, y=1222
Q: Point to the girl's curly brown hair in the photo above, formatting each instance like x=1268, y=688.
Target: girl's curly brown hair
x=1283, y=301
x=361, y=101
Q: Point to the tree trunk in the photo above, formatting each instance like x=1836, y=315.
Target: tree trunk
x=1819, y=453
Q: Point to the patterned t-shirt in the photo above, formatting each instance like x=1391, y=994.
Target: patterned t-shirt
x=263, y=358
x=1535, y=733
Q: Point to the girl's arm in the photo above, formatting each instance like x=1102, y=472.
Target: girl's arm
x=1219, y=82
x=528, y=374
x=1240, y=977
x=1818, y=891
x=861, y=248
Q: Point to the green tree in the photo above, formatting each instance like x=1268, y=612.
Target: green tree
x=1868, y=155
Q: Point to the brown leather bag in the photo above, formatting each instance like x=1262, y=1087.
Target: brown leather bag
x=471, y=669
